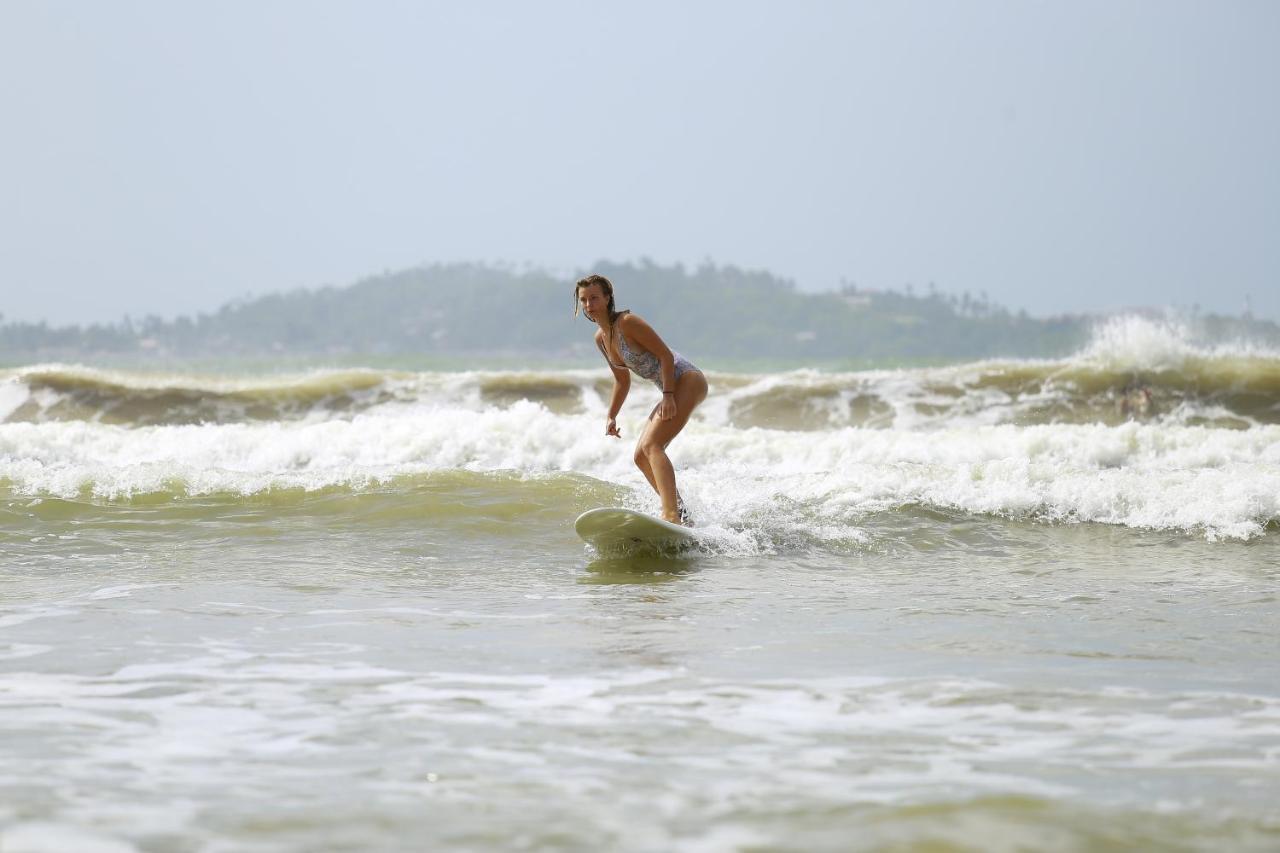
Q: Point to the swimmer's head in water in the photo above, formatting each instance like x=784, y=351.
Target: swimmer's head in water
x=606, y=288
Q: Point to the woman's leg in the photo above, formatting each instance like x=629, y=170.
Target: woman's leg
x=642, y=462
x=651, y=451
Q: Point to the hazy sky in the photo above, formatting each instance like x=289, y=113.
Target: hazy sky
x=160, y=157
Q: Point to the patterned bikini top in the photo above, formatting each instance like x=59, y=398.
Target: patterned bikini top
x=646, y=364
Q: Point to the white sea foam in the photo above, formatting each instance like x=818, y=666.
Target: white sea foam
x=1138, y=342
x=13, y=393
x=1222, y=483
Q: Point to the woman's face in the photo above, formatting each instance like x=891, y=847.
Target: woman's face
x=593, y=301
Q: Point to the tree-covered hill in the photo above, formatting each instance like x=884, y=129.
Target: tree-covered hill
x=711, y=311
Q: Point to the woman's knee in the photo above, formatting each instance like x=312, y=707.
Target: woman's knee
x=646, y=450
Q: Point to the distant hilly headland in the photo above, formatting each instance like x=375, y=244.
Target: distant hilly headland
x=719, y=312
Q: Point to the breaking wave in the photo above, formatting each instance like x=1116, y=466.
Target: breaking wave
x=1142, y=429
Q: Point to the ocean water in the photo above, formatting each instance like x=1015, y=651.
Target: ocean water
x=1007, y=605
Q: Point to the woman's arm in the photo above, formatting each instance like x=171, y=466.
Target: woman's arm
x=643, y=334
x=621, y=386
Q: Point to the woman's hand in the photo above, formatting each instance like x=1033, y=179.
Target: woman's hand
x=667, y=408
x=611, y=428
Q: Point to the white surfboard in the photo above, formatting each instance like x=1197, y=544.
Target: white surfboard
x=615, y=529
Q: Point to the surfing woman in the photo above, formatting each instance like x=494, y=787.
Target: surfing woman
x=629, y=343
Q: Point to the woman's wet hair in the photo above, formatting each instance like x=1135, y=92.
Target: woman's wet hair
x=605, y=285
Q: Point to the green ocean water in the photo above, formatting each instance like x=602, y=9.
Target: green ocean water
x=978, y=607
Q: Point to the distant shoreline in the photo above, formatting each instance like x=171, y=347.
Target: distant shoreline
x=462, y=314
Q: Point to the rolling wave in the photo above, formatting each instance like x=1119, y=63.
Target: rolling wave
x=1143, y=429
x=1134, y=370
x=1214, y=482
